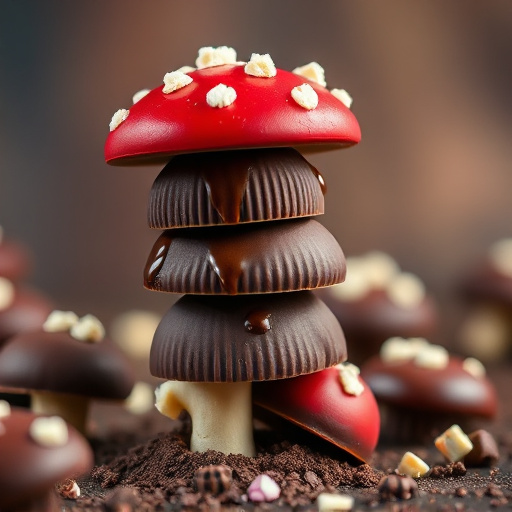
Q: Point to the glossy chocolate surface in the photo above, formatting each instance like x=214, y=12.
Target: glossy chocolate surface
x=447, y=390
x=28, y=471
x=15, y=262
x=318, y=403
x=206, y=339
x=55, y=361
x=254, y=258
x=230, y=187
x=264, y=114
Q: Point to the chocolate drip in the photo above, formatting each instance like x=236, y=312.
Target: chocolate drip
x=258, y=322
x=156, y=259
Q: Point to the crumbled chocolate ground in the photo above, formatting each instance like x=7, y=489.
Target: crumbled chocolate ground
x=454, y=469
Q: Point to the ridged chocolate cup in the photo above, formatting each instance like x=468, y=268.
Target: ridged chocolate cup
x=230, y=187
x=249, y=338
x=266, y=257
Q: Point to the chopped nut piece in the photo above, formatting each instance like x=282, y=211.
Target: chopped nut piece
x=89, y=329
x=327, y=502
x=434, y=357
x=6, y=293
x=213, y=479
x=175, y=80
x=261, y=66
x=349, y=379
x=485, y=450
x=398, y=349
x=49, y=431
x=474, y=367
x=411, y=465
x=141, y=399
x=312, y=71
x=118, y=118
x=209, y=56
x=397, y=487
x=343, y=96
x=406, y=290
x=139, y=95
x=186, y=69
x=5, y=409
x=305, y=96
x=221, y=96
x=58, y=321
x=68, y=489
x=500, y=254
x=453, y=443
x=263, y=488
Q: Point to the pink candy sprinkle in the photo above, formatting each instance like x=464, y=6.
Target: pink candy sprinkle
x=263, y=488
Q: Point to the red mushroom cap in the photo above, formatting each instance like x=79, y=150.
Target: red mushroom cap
x=264, y=114
x=317, y=402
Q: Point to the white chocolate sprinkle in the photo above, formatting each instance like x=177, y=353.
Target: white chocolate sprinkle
x=312, y=71
x=349, y=378
x=209, y=56
x=411, y=465
x=139, y=95
x=261, y=66
x=58, y=321
x=433, y=357
x=120, y=116
x=500, y=255
x=474, y=367
x=175, y=80
x=6, y=293
x=141, y=399
x=305, y=96
x=221, y=96
x=49, y=432
x=397, y=349
x=379, y=268
x=343, y=96
x=88, y=329
x=5, y=409
x=406, y=290
x=330, y=502
x=186, y=69
x=453, y=443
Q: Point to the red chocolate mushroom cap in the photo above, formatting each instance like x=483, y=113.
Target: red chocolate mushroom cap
x=317, y=402
x=264, y=114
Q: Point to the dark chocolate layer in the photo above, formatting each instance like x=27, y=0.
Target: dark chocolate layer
x=214, y=339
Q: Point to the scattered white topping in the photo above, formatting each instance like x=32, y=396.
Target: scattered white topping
x=379, y=268
x=139, y=95
x=5, y=409
x=186, y=69
x=474, y=367
x=312, y=71
x=305, y=96
x=68, y=489
x=406, y=290
x=141, y=399
x=6, y=293
x=209, y=56
x=118, y=118
x=343, y=96
x=349, y=378
x=453, y=443
x=411, y=465
x=220, y=96
x=396, y=349
x=175, y=80
x=60, y=321
x=50, y=432
x=327, y=502
x=500, y=255
x=88, y=329
x=263, y=488
x=433, y=357
x=356, y=284
x=261, y=66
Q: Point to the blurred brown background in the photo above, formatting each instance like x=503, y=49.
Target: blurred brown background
x=430, y=182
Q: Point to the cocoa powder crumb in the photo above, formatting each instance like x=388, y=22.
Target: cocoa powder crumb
x=452, y=470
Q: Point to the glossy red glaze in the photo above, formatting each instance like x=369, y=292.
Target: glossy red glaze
x=318, y=403
x=264, y=114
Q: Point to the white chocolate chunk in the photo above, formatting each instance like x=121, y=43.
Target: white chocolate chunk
x=5, y=409
x=453, y=443
x=139, y=95
x=140, y=400
x=88, y=329
x=120, y=116
x=343, y=96
x=186, y=69
x=209, y=56
x=379, y=268
x=58, y=321
x=411, y=465
x=327, y=502
x=474, y=367
x=6, y=293
x=312, y=71
x=406, y=290
x=356, y=284
x=349, y=378
x=500, y=255
x=175, y=80
x=261, y=66
x=433, y=357
x=68, y=489
x=221, y=96
x=396, y=349
x=305, y=96
x=50, y=432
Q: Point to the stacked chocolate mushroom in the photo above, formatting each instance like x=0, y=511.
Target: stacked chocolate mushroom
x=236, y=200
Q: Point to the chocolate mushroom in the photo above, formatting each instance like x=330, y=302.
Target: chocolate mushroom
x=37, y=452
x=64, y=366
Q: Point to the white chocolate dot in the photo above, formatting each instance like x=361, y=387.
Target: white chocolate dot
x=120, y=116
x=261, y=66
x=343, y=96
x=58, y=321
x=221, y=96
x=186, y=69
x=6, y=293
x=305, y=96
x=5, y=409
x=139, y=95
x=379, y=268
x=433, y=357
x=88, y=329
x=349, y=378
x=209, y=56
x=312, y=71
x=175, y=80
x=406, y=290
x=474, y=367
x=49, y=432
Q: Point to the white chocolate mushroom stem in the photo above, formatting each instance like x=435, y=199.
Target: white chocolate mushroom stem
x=71, y=408
x=221, y=413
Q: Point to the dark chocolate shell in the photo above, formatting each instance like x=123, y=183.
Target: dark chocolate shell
x=230, y=187
x=249, y=338
x=268, y=257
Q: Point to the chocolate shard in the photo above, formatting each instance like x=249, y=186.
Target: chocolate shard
x=485, y=450
x=230, y=187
